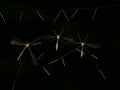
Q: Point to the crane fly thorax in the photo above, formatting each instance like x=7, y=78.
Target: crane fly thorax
x=28, y=44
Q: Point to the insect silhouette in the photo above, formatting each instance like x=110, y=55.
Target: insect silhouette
x=58, y=38
x=34, y=60
x=82, y=45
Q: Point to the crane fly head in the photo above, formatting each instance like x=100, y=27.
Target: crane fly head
x=82, y=44
x=58, y=37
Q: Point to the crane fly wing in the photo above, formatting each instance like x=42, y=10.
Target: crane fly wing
x=93, y=45
x=38, y=43
x=18, y=40
x=68, y=39
x=14, y=42
x=34, y=60
x=100, y=71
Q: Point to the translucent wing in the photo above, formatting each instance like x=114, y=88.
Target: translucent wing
x=93, y=45
x=34, y=60
x=14, y=42
x=38, y=43
x=68, y=39
x=18, y=40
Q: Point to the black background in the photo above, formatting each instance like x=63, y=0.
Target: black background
x=79, y=74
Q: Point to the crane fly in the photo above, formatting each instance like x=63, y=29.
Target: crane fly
x=35, y=61
x=26, y=45
x=83, y=44
x=58, y=38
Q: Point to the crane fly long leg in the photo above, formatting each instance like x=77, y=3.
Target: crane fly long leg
x=63, y=56
x=46, y=70
x=57, y=16
x=63, y=62
x=93, y=56
x=100, y=71
x=21, y=14
x=2, y=17
x=74, y=13
x=53, y=61
x=85, y=38
x=65, y=15
x=94, y=14
x=42, y=37
x=21, y=53
x=40, y=15
x=34, y=60
x=18, y=72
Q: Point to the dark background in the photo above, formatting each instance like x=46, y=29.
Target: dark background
x=79, y=74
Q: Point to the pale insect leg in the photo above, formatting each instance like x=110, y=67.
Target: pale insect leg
x=100, y=71
x=46, y=70
x=79, y=37
x=40, y=15
x=65, y=15
x=74, y=13
x=21, y=53
x=2, y=17
x=94, y=14
x=97, y=66
x=57, y=16
x=63, y=56
x=63, y=62
x=85, y=38
x=21, y=14
x=18, y=72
